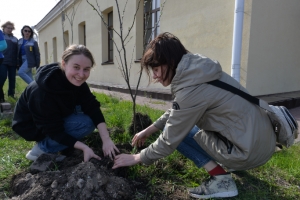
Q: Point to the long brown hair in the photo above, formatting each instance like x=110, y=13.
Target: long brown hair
x=31, y=33
x=165, y=49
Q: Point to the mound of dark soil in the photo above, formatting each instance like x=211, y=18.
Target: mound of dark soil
x=83, y=181
x=74, y=179
x=142, y=122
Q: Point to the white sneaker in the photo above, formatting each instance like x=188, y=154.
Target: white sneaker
x=34, y=153
x=217, y=186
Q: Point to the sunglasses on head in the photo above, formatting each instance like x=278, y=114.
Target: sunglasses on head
x=27, y=31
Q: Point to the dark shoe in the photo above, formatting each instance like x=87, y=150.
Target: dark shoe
x=217, y=186
x=2, y=100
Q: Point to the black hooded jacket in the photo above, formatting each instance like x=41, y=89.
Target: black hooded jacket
x=45, y=102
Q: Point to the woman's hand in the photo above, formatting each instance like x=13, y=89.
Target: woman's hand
x=124, y=160
x=88, y=153
x=140, y=138
x=109, y=148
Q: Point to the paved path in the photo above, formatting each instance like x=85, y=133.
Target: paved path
x=153, y=103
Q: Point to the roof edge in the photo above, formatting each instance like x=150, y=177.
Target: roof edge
x=53, y=13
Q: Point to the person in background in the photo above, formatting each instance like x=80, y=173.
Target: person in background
x=58, y=109
x=206, y=124
x=29, y=54
x=3, y=46
x=9, y=64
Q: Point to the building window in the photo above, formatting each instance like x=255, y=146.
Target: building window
x=82, y=33
x=54, y=44
x=110, y=37
x=66, y=39
x=46, y=53
x=151, y=20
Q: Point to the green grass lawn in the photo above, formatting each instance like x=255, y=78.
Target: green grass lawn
x=278, y=179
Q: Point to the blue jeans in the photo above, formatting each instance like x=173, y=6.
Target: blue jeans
x=192, y=150
x=25, y=72
x=78, y=125
x=10, y=72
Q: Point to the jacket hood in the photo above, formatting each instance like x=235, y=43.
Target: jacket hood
x=52, y=79
x=195, y=69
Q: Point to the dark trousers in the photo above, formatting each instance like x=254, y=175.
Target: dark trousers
x=10, y=72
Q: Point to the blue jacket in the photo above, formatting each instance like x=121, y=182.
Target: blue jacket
x=32, y=53
x=11, y=52
x=3, y=44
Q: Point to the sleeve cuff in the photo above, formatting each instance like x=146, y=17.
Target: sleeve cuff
x=144, y=158
x=159, y=124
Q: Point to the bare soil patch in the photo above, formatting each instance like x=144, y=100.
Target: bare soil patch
x=73, y=179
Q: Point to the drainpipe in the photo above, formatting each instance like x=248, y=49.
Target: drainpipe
x=237, y=39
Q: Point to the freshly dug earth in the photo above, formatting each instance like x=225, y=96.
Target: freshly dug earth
x=73, y=179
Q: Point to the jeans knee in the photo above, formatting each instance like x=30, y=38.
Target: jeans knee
x=79, y=125
x=20, y=73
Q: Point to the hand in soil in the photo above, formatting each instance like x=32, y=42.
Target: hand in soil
x=88, y=153
x=109, y=148
x=124, y=160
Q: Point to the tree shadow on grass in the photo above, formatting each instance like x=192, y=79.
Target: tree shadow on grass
x=252, y=187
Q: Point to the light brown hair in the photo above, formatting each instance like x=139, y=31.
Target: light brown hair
x=8, y=23
x=77, y=49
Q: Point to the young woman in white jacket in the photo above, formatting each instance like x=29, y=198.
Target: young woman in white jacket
x=206, y=124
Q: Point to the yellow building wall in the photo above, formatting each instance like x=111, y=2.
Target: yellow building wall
x=274, y=46
x=270, y=46
x=203, y=26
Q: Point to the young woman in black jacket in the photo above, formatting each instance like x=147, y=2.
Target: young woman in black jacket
x=58, y=108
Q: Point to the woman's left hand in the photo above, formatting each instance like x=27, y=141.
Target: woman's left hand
x=109, y=148
x=124, y=160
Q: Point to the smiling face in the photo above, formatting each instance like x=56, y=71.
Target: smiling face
x=159, y=74
x=77, y=69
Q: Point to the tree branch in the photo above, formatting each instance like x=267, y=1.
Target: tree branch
x=133, y=21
